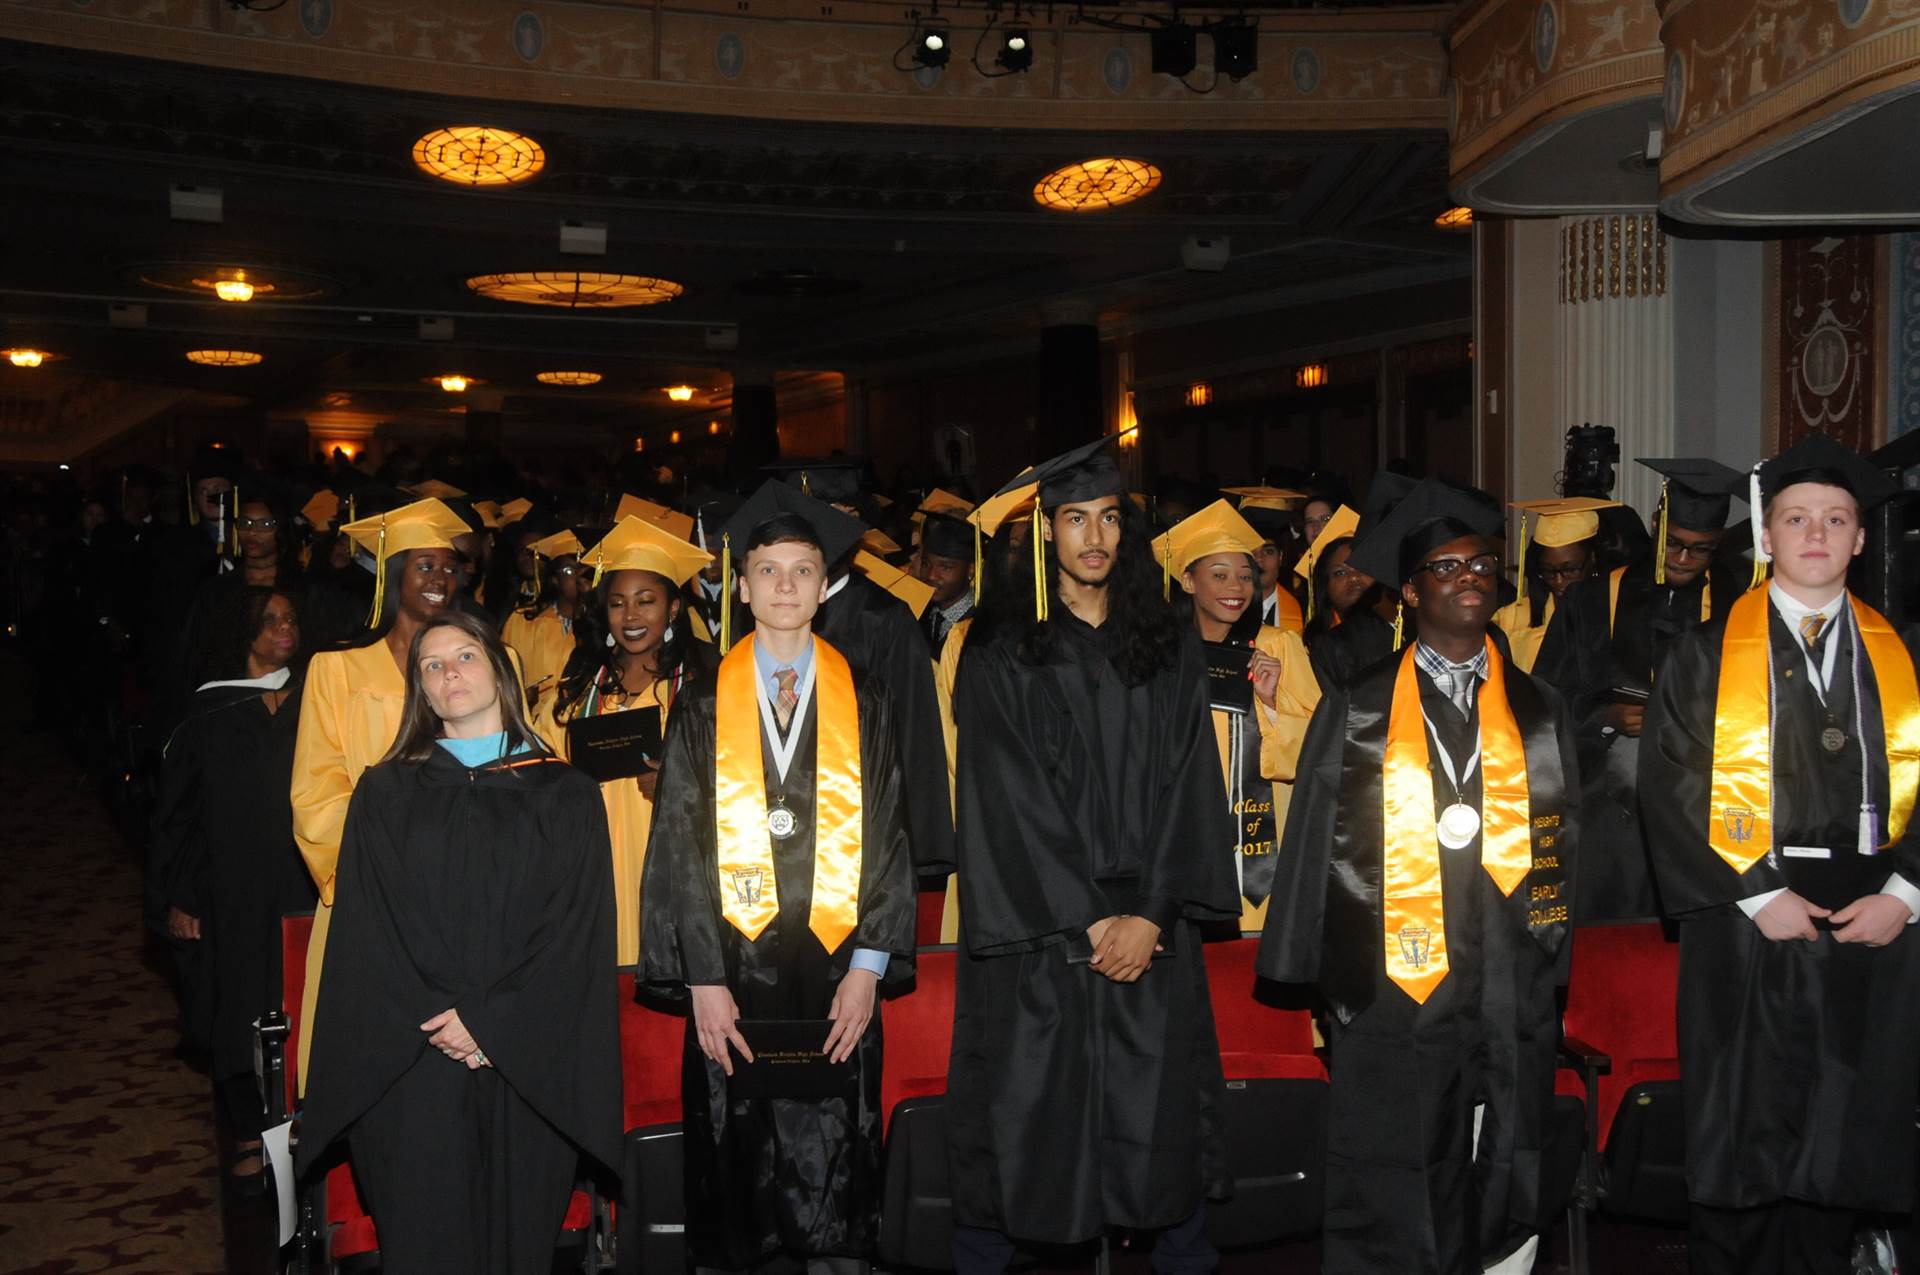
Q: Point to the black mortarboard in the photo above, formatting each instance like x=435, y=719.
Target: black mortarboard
x=946, y=537
x=1428, y=516
x=1387, y=490
x=1699, y=491
x=1087, y=472
x=710, y=508
x=1818, y=458
x=838, y=480
x=463, y=510
x=837, y=532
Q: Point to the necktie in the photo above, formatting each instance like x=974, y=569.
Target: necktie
x=1811, y=627
x=1457, y=682
x=786, y=699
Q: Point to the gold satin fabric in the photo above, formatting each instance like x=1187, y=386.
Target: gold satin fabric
x=748, y=897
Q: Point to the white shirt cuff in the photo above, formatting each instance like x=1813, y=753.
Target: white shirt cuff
x=1752, y=906
x=1902, y=889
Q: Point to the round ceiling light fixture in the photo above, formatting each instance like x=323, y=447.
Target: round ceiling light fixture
x=575, y=289
x=477, y=155
x=680, y=393
x=27, y=357
x=224, y=358
x=1096, y=184
x=1455, y=219
x=454, y=382
x=568, y=378
x=231, y=281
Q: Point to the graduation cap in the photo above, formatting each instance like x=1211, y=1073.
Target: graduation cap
x=489, y=511
x=946, y=537
x=516, y=509
x=940, y=501
x=1087, y=472
x=1388, y=490
x=876, y=541
x=1695, y=493
x=424, y=524
x=1280, y=499
x=1430, y=515
x=710, y=508
x=914, y=592
x=671, y=521
x=837, y=533
x=1562, y=521
x=322, y=510
x=837, y=481
x=1342, y=523
x=434, y=489
x=1215, y=529
x=991, y=513
x=560, y=544
x=1817, y=458
x=635, y=544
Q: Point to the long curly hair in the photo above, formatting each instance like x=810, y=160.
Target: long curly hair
x=680, y=656
x=1147, y=632
x=233, y=622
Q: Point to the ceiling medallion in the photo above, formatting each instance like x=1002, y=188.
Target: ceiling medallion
x=1455, y=219
x=224, y=358
x=575, y=289
x=475, y=155
x=567, y=378
x=231, y=282
x=1096, y=184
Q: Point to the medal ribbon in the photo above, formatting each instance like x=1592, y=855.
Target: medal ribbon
x=1740, y=800
x=1412, y=904
x=748, y=898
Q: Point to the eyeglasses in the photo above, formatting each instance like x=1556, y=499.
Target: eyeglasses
x=1486, y=566
x=257, y=524
x=570, y=572
x=1573, y=572
x=1682, y=549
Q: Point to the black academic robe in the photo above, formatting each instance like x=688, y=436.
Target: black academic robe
x=1589, y=650
x=764, y=1175
x=1360, y=640
x=1797, y=1059
x=1075, y=1103
x=223, y=851
x=884, y=644
x=488, y=891
x=1407, y=1077
x=328, y=615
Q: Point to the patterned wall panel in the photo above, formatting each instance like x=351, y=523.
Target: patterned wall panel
x=1826, y=342
x=1903, y=334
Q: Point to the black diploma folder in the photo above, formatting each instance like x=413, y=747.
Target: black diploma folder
x=789, y=1061
x=1227, y=684
x=613, y=746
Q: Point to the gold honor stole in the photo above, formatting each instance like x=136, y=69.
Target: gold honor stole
x=749, y=899
x=1412, y=902
x=1740, y=801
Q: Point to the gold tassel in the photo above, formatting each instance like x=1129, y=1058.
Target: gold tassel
x=1660, y=540
x=1039, y=568
x=379, y=575
x=1520, y=585
x=979, y=563
x=1399, y=625
x=1310, y=592
x=193, y=506
x=599, y=563
x=352, y=503
x=1166, y=572
x=231, y=544
x=1759, y=573
x=726, y=593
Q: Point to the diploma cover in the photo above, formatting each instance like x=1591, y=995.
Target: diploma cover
x=609, y=746
x=789, y=1061
x=1227, y=684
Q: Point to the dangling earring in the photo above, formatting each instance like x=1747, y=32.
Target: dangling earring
x=609, y=639
x=666, y=634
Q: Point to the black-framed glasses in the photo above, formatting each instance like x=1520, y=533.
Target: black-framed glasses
x=1682, y=549
x=1485, y=565
x=257, y=524
x=1571, y=572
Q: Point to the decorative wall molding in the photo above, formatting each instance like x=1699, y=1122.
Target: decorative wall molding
x=1903, y=335
x=784, y=59
x=1605, y=258
x=1827, y=339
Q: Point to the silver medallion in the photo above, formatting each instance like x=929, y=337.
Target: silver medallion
x=780, y=822
x=1833, y=739
x=1459, y=825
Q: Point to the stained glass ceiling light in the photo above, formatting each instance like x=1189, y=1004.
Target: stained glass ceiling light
x=1096, y=184
x=1455, y=219
x=28, y=358
x=567, y=378
x=575, y=289
x=476, y=155
x=224, y=358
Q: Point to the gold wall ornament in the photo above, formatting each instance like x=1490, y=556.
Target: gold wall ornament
x=575, y=289
x=1093, y=185
x=224, y=358
x=1610, y=257
x=478, y=155
x=568, y=378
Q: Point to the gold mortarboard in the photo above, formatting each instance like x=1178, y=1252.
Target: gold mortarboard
x=516, y=509
x=558, y=545
x=671, y=521
x=321, y=511
x=424, y=524
x=879, y=542
x=1215, y=529
x=489, y=513
x=1344, y=522
x=940, y=501
x=635, y=544
x=434, y=489
x=1282, y=498
x=914, y=592
x=992, y=512
x=1563, y=520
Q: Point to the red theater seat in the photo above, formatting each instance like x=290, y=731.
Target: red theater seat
x=1622, y=1000
x=651, y=1043
x=918, y=1029
x=1257, y=1042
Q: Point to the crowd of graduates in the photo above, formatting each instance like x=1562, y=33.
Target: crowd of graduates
x=509, y=733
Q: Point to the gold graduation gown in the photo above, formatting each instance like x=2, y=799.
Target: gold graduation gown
x=1523, y=638
x=543, y=644
x=1282, y=728
x=629, y=813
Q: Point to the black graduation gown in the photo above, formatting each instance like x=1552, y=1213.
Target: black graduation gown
x=1406, y=1076
x=223, y=851
x=489, y=891
x=884, y=644
x=1797, y=1059
x=1586, y=654
x=764, y=1175
x=1075, y=1103
x=1360, y=640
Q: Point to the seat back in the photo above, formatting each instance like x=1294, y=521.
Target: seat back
x=296, y=928
x=919, y=1032
x=1621, y=999
x=652, y=1042
x=1646, y=1160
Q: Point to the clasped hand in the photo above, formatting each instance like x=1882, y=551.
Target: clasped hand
x=451, y=1037
x=1874, y=919
x=716, y=1019
x=1123, y=946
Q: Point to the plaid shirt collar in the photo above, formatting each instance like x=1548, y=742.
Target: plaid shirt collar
x=1436, y=665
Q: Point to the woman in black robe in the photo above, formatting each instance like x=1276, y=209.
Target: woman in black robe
x=223, y=864
x=466, y=1040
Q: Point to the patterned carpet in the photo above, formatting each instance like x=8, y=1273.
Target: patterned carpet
x=107, y=1155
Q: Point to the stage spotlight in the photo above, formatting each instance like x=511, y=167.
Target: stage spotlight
x=1016, y=51
x=1236, y=49
x=1173, y=50
x=934, y=45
